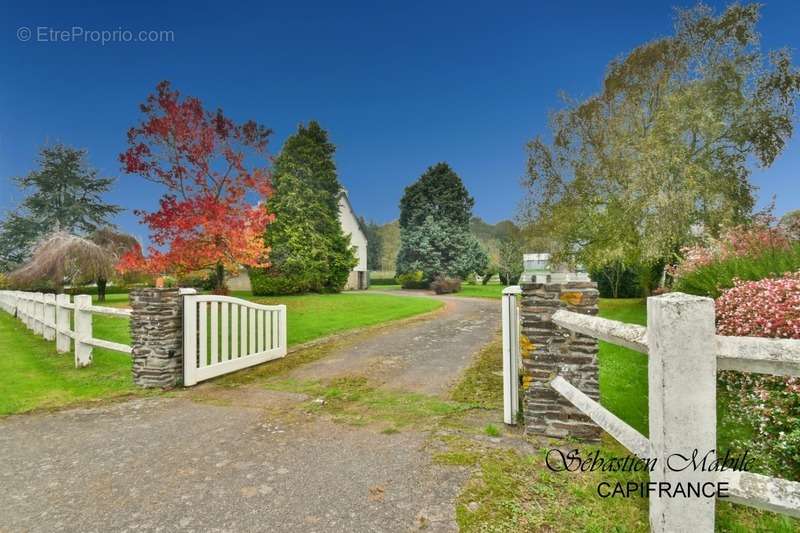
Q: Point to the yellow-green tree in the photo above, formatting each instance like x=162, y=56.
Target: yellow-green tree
x=664, y=152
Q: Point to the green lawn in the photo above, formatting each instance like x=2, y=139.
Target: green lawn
x=492, y=290
x=317, y=315
x=33, y=375
x=392, y=287
x=623, y=372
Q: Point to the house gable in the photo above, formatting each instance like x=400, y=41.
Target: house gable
x=350, y=226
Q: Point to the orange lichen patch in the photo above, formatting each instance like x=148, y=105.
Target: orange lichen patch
x=572, y=297
x=526, y=347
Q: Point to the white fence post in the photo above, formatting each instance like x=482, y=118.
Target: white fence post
x=22, y=308
x=26, y=304
x=49, y=316
x=62, y=324
x=682, y=372
x=38, y=313
x=189, y=303
x=19, y=305
x=83, y=330
x=31, y=312
x=283, y=342
x=510, y=317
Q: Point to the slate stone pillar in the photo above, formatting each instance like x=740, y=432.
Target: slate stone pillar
x=556, y=351
x=157, y=337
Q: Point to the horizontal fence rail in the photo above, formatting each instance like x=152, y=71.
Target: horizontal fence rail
x=223, y=334
x=684, y=358
x=758, y=355
x=68, y=323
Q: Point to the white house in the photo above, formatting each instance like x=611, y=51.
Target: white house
x=359, y=277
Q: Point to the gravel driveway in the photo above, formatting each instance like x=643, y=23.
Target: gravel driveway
x=254, y=462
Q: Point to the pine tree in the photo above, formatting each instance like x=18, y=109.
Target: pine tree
x=308, y=250
x=438, y=193
x=66, y=196
x=435, y=238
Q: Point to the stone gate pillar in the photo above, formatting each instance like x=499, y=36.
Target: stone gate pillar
x=157, y=337
x=557, y=351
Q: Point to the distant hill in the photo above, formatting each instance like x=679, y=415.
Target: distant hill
x=502, y=230
x=488, y=234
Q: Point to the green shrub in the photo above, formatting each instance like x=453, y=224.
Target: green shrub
x=199, y=279
x=615, y=280
x=267, y=283
x=713, y=278
x=413, y=280
x=382, y=281
x=446, y=285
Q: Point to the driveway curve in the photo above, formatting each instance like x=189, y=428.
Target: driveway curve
x=253, y=460
x=425, y=356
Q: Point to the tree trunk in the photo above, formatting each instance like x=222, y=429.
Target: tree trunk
x=101, y=290
x=612, y=275
x=219, y=277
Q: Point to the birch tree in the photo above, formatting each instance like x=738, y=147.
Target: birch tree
x=665, y=151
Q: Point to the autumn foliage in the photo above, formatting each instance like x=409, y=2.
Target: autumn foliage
x=215, y=174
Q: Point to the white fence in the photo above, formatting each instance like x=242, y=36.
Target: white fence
x=222, y=334
x=55, y=317
x=684, y=357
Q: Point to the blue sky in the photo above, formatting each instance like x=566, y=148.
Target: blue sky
x=399, y=85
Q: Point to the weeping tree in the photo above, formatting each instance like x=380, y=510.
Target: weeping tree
x=115, y=244
x=63, y=257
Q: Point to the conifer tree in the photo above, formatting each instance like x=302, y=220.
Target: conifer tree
x=435, y=238
x=65, y=195
x=308, y=249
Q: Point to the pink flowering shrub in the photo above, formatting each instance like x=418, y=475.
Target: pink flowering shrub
x=753, y=240
x=740, y=241
x=769, y=404
x=694, y=257
x=766, y=308
x=753, y=252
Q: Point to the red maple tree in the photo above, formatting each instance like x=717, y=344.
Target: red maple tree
x=211, y=215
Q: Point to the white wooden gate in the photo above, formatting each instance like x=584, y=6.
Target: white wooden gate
x=222, y=334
